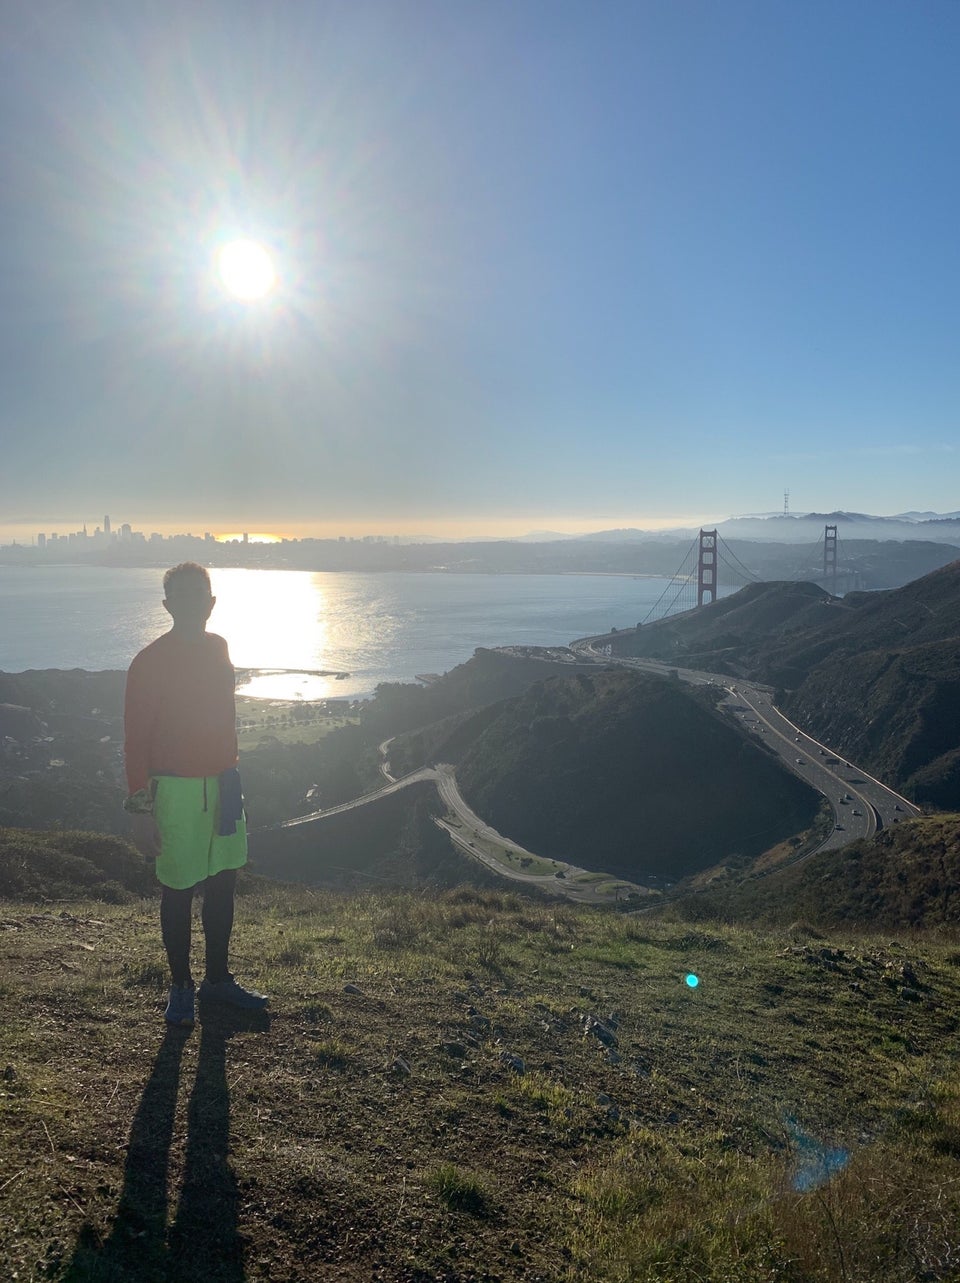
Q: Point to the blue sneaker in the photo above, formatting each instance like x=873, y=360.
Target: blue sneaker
x=180, y=1007
x=232, y=994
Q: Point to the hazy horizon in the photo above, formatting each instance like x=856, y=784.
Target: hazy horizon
x=524, y=266
x=26, y=529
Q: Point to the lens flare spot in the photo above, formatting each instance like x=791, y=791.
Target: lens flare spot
x=692, y=980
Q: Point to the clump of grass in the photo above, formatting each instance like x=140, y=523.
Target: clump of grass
x=488, y=949
x=295, y=949
x=396, y=927
x=459, y=1190
x=546, y=1093
x=804, y=931
x=317, y=1013
x=332, y=1053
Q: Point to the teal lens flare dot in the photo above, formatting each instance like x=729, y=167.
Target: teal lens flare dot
x=693, y=980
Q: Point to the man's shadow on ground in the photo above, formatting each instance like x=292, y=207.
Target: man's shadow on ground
x=203, y=1243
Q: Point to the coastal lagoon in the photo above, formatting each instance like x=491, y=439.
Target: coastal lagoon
x=374, y=627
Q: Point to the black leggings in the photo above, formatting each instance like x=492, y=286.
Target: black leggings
x=217, y=919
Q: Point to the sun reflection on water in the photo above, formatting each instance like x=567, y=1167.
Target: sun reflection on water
x=281, y=615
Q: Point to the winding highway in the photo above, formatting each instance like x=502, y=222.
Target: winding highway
x=475, y=837
x=860, y=804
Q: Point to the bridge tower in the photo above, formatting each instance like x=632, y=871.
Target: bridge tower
x=830, y=558
x=707, y=566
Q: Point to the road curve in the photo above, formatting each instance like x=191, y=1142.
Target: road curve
x=468, y=831
x=861, y=804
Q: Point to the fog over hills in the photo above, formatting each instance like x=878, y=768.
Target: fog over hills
x=802, y=528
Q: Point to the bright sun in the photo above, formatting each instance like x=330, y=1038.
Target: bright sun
x=246, y=270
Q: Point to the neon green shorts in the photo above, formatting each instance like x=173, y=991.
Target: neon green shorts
x=187, y=812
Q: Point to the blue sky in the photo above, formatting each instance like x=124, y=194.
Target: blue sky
x=542, y=264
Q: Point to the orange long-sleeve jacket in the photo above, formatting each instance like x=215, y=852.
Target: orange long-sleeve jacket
x=179, y=709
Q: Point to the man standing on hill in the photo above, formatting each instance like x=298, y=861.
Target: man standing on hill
x=187, y=811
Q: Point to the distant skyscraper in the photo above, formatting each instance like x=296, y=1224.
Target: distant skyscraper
x=106, y=526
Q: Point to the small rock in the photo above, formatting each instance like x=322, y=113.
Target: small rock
x=601, y=1031
x=400, y=1066
x=603, y=1098
x=613, y=1056
x=455, y=1049
x=9, y=1074
x=515, y=1062
x=352, y=988
x=910, y=995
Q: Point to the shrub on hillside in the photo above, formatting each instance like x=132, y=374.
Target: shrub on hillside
x=67, y=865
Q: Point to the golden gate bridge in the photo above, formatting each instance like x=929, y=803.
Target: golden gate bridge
x=697, y=579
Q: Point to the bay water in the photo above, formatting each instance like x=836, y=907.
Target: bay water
x=374, y=627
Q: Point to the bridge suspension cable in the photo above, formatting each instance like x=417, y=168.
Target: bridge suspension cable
x=680, y=582
x=681, y=592
x=734, y=564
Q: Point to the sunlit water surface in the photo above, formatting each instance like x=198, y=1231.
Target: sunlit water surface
x=374, y=627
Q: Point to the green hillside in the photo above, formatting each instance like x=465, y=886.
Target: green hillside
x=629, y=774
x=473, y=1086
x=905, y=877
x=876, y=675
x=68, y=863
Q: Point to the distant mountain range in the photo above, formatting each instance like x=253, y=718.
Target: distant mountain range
x=794, y=528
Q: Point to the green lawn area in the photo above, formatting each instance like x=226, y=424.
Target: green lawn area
x=289, y=721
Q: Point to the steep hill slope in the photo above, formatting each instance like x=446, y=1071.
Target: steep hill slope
x=630, y=774
x=877, y=675
x=780, y=631
x=485, y=678
x=904, y=877
x=391, y=842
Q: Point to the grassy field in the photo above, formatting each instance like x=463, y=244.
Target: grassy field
x=289, y=721
x=473, y=1087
